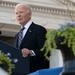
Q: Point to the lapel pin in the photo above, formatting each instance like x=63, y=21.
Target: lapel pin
x=29, y=30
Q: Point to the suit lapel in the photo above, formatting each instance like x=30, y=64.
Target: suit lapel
x=29, y=32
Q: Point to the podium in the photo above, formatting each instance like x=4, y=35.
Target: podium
x=22, y=65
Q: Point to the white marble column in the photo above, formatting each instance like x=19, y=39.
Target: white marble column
x=56, y=59
x=3, y=72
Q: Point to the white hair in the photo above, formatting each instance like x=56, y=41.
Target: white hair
x=26, y=5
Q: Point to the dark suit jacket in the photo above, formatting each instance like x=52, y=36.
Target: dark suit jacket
x=34, y=40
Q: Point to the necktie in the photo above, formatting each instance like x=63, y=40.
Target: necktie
x=20, y=37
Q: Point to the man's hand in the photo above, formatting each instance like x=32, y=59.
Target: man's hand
x=26, y=52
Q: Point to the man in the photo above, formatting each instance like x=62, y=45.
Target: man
x=33, y=38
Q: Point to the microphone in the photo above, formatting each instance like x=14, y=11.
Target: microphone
x=0, y=32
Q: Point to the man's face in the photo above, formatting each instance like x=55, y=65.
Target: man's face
x=22, y=15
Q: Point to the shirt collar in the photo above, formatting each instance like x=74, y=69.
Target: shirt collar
x=28, y=24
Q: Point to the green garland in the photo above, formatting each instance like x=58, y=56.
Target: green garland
x=67, y=30
x=6, y=62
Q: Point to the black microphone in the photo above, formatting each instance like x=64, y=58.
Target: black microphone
x=0, y=32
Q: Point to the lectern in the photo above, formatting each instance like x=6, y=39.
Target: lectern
x=22, y=65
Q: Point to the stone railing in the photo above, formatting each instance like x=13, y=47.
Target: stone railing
x=7, y=4
x=48, y=9
x=67, y=2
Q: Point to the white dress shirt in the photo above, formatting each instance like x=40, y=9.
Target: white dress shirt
x=26, y=27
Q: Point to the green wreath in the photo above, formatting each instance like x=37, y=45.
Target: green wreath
x=5, y=63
